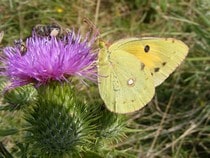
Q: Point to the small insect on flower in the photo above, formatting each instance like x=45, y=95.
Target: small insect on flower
x=21, y=46
x=50, y=30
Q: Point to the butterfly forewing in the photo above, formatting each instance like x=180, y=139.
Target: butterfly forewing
x=160, y=55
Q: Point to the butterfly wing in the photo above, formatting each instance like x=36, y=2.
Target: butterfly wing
x=124, y=85
x=160, y=55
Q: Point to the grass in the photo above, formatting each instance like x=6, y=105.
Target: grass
x=176, y=123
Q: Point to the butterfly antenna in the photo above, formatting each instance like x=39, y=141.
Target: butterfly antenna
x=95, y=33
x=93, y=29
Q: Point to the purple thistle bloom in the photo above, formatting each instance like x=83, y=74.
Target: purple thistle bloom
x=48, y=59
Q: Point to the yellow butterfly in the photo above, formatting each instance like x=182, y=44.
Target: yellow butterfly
x=130, y=69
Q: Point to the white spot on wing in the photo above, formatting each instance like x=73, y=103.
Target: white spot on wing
x=131, y=82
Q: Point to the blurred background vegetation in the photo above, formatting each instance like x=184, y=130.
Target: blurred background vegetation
x=176, y=123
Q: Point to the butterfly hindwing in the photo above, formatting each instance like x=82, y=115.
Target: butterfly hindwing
x=125, y=84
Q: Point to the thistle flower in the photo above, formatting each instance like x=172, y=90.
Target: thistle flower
x=46, y=59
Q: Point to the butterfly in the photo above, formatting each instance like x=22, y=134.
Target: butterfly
x=130, y=69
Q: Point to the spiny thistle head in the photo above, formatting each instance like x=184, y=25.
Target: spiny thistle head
x=59, y=125
x=45, y=59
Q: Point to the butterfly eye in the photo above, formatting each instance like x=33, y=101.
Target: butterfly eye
x=146, y=49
